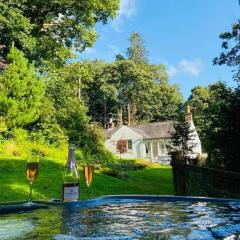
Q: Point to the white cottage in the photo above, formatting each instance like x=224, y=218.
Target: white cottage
x=147, y=141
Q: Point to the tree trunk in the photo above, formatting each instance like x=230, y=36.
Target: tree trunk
x=129, y=114
x=133, y=113
x=120, y=120
x=105, y=115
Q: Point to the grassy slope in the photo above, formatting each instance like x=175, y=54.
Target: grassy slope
x=13, y=184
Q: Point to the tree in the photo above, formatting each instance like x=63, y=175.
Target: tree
x=231, y=49
x=206, y=105
x=199, y=100
x=21, y=91
x=70, y=112
x=137, y=51
x=224, y=137
x=223, y=132
x=15, y=27
x=166, y=102
x=182, y=139
x=159, y=73
x=138, y=92
x=216, y=114
x=48, y=30
x=46, y=127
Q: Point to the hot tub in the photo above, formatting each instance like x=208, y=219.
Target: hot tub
x=123, y=217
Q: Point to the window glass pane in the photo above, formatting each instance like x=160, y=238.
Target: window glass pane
x=130, y=144
x=147, y=145
x=163, y=149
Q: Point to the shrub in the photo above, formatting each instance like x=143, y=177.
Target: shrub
x=115, y=173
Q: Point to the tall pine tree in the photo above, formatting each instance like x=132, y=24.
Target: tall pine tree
x=21, y=91
x=137, y=52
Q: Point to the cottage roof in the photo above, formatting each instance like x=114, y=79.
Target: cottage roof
x=109, y=132
x=149, y=130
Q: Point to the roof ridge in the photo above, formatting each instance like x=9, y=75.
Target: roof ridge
x=153, y=123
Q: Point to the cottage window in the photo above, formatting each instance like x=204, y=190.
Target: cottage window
x=121, y=146
x=163, y=150
x=147, y=145
x=124, y=145
x=129, y=144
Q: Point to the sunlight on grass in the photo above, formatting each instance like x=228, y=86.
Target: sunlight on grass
x=24, y=189
x=154, y=179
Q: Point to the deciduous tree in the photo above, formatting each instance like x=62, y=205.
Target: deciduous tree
x=48, y=30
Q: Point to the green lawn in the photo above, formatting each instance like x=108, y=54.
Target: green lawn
x=14, y=186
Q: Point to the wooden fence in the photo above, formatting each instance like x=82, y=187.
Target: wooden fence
x=193, y=180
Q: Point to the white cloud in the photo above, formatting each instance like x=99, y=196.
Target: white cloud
x=171, y=71
x=90, y=51
x=191, y=67
x=127, y=10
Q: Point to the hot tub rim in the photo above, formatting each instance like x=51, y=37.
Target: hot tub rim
x=21, y=206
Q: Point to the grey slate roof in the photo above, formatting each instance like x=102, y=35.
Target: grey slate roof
x=110, y=132
x=149, y=130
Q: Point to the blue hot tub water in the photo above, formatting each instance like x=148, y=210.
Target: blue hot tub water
x=126, y=217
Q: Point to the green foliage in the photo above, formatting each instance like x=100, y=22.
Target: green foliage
x=124, y=85
x=199, y=101
x=216, y=116
x=182, y=139
x=115, y=173
x=22, y=143
x=137, y=51
x=231, y=47
x=46, y=129
x=206, y=103
x=21, y=91
x=223, y=134
x=166, y=102
x=223, y=129
x=15, y=27
x=51, y=28
x=66, y=89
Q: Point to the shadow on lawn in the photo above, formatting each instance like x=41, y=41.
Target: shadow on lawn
x=14, y=184
x=148, y=181
x=48, y=185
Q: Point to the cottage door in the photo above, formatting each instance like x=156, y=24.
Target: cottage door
x=155, y=151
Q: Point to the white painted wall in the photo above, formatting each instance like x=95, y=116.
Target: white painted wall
x=138, y=144
x=126, y=133
x=196, y=142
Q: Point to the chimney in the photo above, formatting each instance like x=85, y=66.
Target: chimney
x=188, y=114
x=111, y=123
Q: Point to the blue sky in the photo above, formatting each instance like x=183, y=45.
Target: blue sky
x=181, y=34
